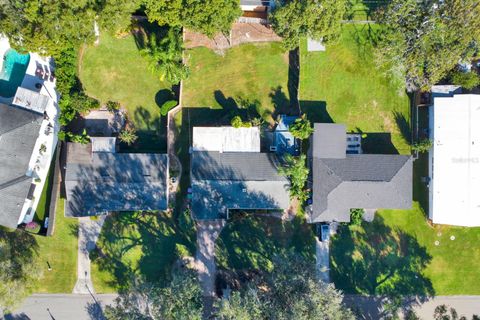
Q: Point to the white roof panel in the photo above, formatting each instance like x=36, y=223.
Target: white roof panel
x=226, y=139
x=456, y=160
x=103, y=144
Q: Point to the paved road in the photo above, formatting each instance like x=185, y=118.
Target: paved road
x=88, y=232
x=371, y=307
x=323, y=260
x=62, y=306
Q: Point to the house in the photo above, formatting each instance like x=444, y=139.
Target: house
x=229, y=172
x=28, y=133
x=454, y=160
x=344, y=178
x=99, y=180
x=256, y=11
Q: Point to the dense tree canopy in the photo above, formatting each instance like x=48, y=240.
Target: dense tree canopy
x=317, y=19
x=48, y=26
x=295, y=169
x=19, y=271
x=424, y=40
x=301, y=128
x=290, y=291
x=208, y=16
x=180, y=299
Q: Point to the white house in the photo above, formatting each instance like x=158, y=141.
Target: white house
x=28, y=132
x=454, y=160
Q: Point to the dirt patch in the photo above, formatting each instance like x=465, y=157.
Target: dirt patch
x=240, y=33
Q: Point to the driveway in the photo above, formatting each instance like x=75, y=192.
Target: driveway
x=323, y=260
x=62, y=306
x=207, y=232
x=88, y=232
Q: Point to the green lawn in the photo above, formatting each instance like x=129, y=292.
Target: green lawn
x=44, y=202
x=250, y=71
x=139, y=243
x=250, y=242
x=397, y=254
x=342, y=85
x=115, y=70
x=60, y=251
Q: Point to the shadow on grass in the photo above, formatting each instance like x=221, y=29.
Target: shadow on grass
x=403, y=125
x=142, y=243
x=250, y=242
x=375, y=259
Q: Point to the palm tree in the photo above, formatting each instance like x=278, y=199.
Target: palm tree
x=128, y=135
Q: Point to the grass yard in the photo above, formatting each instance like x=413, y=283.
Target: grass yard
x=396, y=254
x=342, y=85
x=250, y=242
x=250, y=71
x=115, y=70
x=139, y=243
x=60, y=251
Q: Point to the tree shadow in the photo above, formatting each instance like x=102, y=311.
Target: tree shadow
x=95, y=310
x=294, y=80
x=246, y=108
x=316, y=111
x=249, y=242
x=404, y=126
x=142, y=243
x=21, y=316
x=366, y=37
x=151, y=132
x=144, y=30
x=163, y=96
x=375, y=259
x=281, y=103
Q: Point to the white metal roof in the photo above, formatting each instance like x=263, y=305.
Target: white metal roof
x=31, y=100
x=455, y=186
x=226, y=139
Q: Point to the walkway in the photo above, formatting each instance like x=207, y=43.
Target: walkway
x=207, y=232
x=323, y=260
x=62, y=306
x=371, y=306
x=88, y=232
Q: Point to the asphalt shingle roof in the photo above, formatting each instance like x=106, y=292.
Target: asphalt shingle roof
x=236, y=180
x=369, y=181
x=107, y=182
x=19, y=130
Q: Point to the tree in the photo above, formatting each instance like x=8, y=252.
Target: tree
x=128, y=135
x=237, y=122
x=112, y=106
x=316, y=19
x=294, y=168
x=19, y=271
x=301, y=128
x=356, y=216
x=423, y=40
x=422, y=146
x=270, y=296
x=208, y=16
x=467, y=80
x=165, y=56
x=49, y=26
x=180, y=299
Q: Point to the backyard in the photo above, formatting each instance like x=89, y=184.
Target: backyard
x=343, y=85
x=254, y=72
x=140, y=243
x=115, y=70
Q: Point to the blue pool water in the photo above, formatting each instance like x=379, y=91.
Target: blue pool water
x=13, y=72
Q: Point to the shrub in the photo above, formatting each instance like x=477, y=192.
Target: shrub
x=422, y=146
x=128, y=135
x=32, y=227
x=236, y=122
x=356, y=216
x=167, y=106
x=182, y=251
x=467, y=80
x=112, y=106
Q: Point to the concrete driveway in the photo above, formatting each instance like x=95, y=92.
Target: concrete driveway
x=323, y=260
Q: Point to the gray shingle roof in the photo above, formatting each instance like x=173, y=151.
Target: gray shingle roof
x=19, y=130
x=114, y=181
x=240, y=180
x=369, y=181
x=330, y=140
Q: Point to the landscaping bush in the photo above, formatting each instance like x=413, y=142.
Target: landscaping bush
x=238, y=123
x=356, y=216
x=112, y=106
x=32, y=227
x=167, y=106
x=128, y=135
x=422, y=146
x=182, y=251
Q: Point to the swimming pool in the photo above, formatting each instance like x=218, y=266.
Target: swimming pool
x=12, y=72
